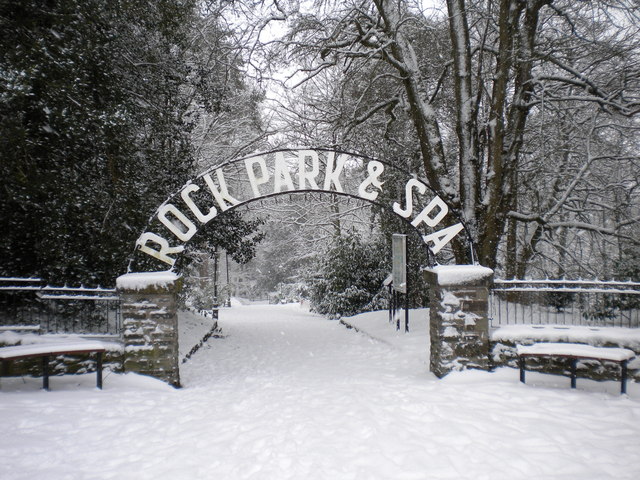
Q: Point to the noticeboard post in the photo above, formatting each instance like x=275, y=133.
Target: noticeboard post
x=399, y=265
x=399, y=274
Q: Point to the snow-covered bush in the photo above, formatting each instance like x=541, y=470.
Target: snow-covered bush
x=289, y=293
x=348, y=278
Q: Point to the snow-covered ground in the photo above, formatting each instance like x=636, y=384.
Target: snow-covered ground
x=289, y=395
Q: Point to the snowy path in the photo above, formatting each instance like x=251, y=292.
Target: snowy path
x=289, y=395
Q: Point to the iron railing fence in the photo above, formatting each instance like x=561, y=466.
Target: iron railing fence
x=565, y=302
x=27, y=304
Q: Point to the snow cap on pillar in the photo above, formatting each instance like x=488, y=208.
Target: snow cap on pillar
x=448, y=275
x=148, y=281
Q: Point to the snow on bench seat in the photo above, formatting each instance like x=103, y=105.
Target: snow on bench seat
x=20, y=328
x=46, y=350
x=53, y=348
x=574, y=352
x=577, y=350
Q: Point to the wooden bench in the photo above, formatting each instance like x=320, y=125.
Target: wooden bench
x=47, y=350
x=575, y=352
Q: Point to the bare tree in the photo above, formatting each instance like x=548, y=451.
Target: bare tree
x=475, y=97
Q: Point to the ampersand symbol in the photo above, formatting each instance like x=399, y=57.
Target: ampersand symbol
x=375, y=169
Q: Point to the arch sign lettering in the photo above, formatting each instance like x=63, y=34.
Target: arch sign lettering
x=241, y=181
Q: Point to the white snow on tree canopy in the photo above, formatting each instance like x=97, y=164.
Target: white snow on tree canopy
x=460, y=274
x=142, y=280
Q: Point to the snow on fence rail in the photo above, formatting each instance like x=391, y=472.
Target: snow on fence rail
x=25, y=303
x=565, y=302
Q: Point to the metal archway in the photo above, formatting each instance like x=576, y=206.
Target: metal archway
x=245, y=180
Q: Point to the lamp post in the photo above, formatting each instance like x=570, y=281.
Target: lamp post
x=214, y=308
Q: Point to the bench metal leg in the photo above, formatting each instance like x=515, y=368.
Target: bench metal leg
x=574, y=362
x=521, y=363
x=5, y=368
x=623, y=378
x=99, y=371
x=45, y=373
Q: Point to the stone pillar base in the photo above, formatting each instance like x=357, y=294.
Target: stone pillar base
x=459, y=323
x=150, y=321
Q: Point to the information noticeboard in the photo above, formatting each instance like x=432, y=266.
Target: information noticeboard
x=399, y=266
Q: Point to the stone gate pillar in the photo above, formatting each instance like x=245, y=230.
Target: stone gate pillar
x=459, y=317
x=150, y=324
